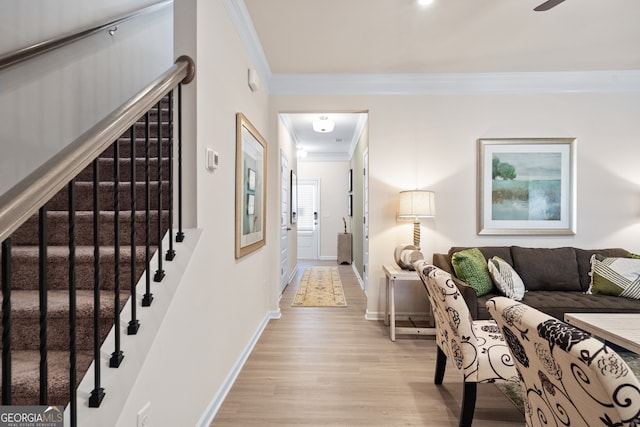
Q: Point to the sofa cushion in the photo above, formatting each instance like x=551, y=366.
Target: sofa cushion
x=557, y=303
x=615, y=276
x=470, y=266
x=489, y=252
x=506, y=279
x=542, y=269
x=583, y=256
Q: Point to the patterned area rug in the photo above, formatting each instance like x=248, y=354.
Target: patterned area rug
x=514, y=394
x=320, y=287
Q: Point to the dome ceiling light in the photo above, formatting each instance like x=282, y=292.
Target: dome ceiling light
x=323, y=125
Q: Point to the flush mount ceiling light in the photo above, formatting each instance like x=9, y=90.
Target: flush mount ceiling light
x=323, y=125
x=425, y=2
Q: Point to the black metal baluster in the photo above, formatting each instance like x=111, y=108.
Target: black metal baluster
x=134, y=324
x=147, y=299
x=6, y=322
x=171, y=253
x=97, y=394
x=159, y=272
x=180, y=234
x=117, y=355
x=42, y=292
x=73, y=409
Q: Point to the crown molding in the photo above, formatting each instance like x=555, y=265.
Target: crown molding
x=326, y=157
x=241, y=19
x=455, y=83
x=425, y=83
x=362, y=121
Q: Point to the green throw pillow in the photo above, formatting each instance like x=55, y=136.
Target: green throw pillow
x=506, y=278
x=615, y=276
x=470, y=266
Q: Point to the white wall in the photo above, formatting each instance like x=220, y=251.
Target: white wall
x=223, y=302
x=47, y=102
x=429, y=141
x=333, y=178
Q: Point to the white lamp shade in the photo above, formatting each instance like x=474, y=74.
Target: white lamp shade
x=417, y=204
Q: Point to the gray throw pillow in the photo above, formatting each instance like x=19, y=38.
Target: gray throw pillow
x=506, y=279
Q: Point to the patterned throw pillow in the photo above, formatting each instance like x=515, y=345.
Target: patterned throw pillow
x=615, y=276
x=506, y=278
x=470, y=266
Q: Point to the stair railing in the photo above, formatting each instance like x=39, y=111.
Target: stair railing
x=12, y=58
x=31, y=194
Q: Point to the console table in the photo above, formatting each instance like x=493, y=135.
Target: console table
x=395, y=274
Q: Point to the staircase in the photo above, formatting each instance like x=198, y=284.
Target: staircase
x=25, y=297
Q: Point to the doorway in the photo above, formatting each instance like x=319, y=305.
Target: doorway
x=284, y=221
x=308, y=224
x=365, y=221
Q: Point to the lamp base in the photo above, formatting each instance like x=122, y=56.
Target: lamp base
x=416, y=233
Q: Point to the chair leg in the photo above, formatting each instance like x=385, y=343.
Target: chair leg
x=441, y=364
x=468, y=404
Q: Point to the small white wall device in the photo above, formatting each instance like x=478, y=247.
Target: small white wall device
x=253, y=80
x=211, y=160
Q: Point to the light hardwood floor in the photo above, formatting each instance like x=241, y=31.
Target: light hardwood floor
x=331, y=367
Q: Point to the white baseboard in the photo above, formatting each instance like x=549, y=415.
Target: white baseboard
x=289, y=280
x=212, y=409
x=355, y=270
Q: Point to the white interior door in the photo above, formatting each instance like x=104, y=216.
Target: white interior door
x=284, y=221
x=365, y=221
x=308, y=218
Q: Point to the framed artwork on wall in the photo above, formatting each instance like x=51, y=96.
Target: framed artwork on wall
x=350, y=205
x=294, y=198
x=527, y=186
x=350, y=181
x=251, y=180
x=251, y=185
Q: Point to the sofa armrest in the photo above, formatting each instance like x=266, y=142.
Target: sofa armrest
x=468, y=293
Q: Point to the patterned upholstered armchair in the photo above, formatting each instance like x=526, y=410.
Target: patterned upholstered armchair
x=476, y=348
x=568, y=377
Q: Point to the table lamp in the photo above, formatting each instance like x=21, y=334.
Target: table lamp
x=417, y=204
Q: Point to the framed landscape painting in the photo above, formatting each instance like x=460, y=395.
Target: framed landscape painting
x=527, y=186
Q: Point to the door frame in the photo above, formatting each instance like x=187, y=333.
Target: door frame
x=316, y=182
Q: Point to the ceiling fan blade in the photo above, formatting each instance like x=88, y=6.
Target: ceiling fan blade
x=548, y=5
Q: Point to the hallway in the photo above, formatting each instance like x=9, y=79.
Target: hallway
x=331, y=367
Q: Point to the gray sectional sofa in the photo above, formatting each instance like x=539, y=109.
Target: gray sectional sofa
x=556, y=280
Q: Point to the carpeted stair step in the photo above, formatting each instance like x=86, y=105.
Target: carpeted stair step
x=84, y=196
x=153, y=114
x=141, y=131
x=125, y=148
x=25, y=273
x=25, y=318
x=25, y=264
x=58, y=228
x=25, y=388
x=107, y=173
